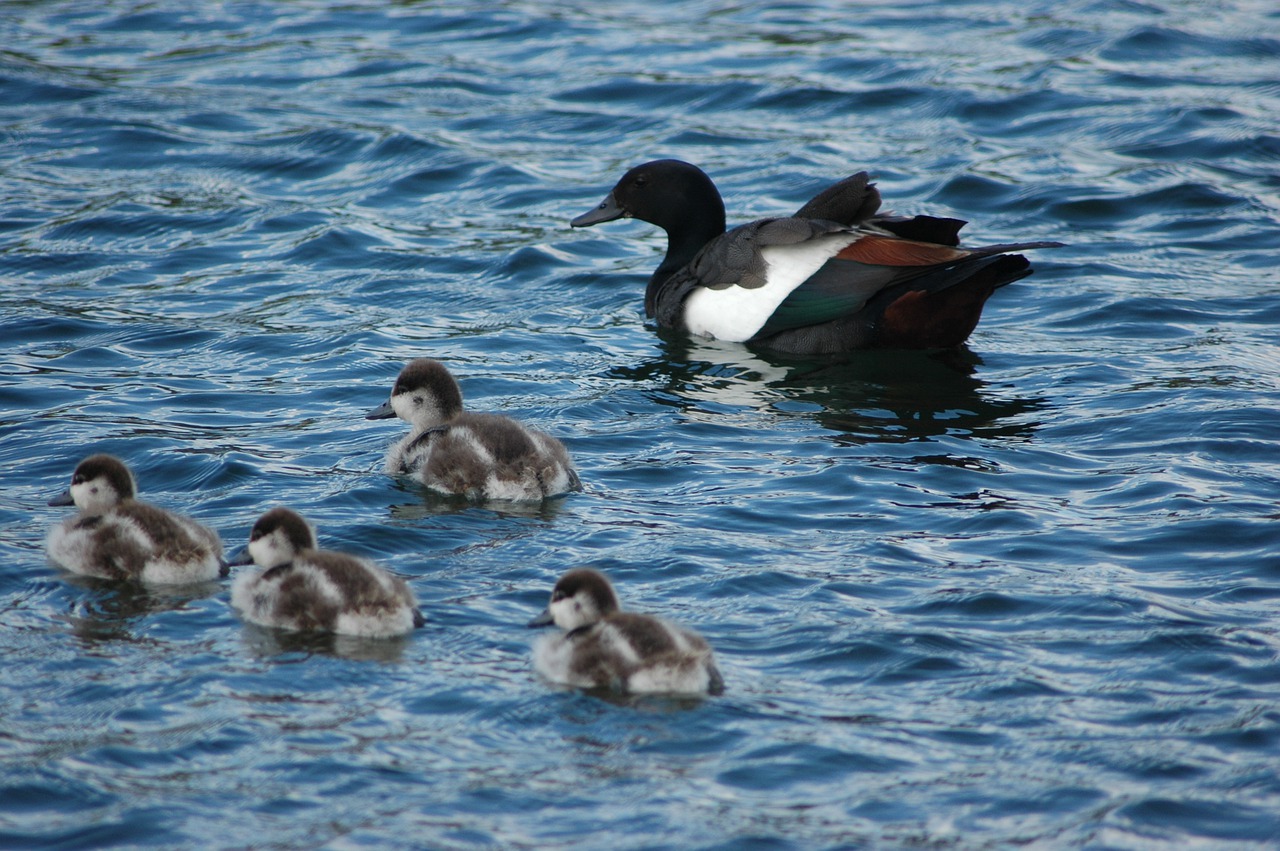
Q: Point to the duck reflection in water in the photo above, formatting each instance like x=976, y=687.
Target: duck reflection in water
x=110, y=609
x=894, y=396
x=284, y=646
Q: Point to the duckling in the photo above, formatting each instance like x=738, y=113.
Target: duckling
x=479, y=456
x=117, y=536
x=604, y=647
x=301, y=587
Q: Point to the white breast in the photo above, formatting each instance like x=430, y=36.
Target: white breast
x=553, y=658
x=735, y=313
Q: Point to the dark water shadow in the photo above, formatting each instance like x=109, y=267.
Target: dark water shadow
x=894, y=396
x=285, y=646
x=659, y=704
x=431, y=504
x=112, y=607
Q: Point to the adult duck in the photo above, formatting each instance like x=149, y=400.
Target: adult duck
x=834, y=277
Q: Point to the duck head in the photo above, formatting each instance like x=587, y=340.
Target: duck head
x=425, y=394
x=276, y=539
x=581, y=597
x=98, y=483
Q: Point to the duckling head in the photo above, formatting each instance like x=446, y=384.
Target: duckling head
x=276, y=539
x=581, y=597
x=425, y=394
x=98, y=484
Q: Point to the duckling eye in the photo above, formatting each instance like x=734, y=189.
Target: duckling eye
x=417, y=400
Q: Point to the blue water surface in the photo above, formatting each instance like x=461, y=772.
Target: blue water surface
x=1025, y=594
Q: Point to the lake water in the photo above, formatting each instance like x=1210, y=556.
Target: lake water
x=1026, y=595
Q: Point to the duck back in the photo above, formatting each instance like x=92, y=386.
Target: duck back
x=326, y=591
x=487, y=456
x=630, y=652
x=137, y=541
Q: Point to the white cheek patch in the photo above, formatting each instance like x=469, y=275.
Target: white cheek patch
x=735, y=313
x=270, y=550
x=422, y=416
x=402, y=404
x=94, y=497
x=566, y=615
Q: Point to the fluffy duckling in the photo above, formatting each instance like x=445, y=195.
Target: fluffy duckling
x=479, y=456
x=117, y=536
x=301, y=587
x=604, y=647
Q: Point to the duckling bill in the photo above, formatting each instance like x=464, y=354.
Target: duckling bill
x=836, y=276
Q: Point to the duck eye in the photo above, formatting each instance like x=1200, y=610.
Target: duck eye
x=641, y=181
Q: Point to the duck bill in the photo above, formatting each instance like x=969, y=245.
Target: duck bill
x=606, y=212
x=382, y=412
x=63, y=498
x=544, y=619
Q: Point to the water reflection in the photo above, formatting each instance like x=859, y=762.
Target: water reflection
x=284, y=646
x=659, y=704
x=432, y=504
x=869, y=397
x=113, y=607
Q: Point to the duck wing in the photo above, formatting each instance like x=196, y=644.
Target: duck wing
x=849, y=202
x=776, y=274
x=867, y=265
x=740, y=261
x=855, y=201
